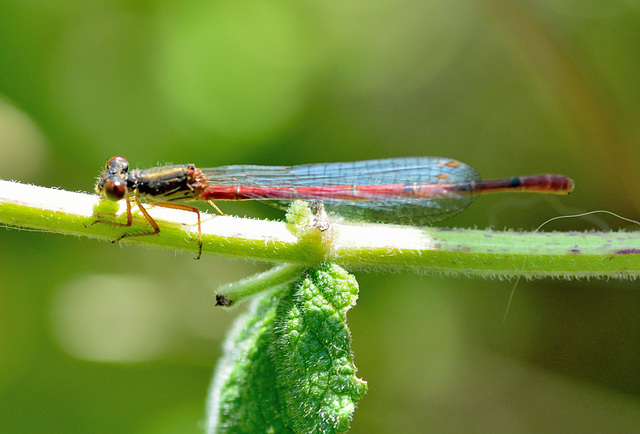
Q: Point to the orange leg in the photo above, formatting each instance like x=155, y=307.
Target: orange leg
x=216, y=207
x=108, y=222
x=152, y=222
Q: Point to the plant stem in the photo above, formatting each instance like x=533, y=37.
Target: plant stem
x=485, y=253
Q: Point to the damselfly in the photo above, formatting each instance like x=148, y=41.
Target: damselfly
x=414, y=191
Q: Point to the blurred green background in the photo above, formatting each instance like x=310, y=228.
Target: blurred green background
x=96, y=337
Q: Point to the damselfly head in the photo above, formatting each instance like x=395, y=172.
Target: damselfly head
x=113, y=184
x=117, y=165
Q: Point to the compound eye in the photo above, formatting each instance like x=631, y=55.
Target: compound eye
x=114, y=190
x=117, y=164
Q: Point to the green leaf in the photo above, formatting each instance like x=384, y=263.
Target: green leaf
x=288, y=365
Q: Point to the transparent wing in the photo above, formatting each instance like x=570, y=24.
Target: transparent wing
x=266, y=183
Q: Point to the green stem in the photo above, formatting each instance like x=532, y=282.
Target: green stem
x=355, y=246
x=231, y=294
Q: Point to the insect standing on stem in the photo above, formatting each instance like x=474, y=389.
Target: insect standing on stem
x=415, y=191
